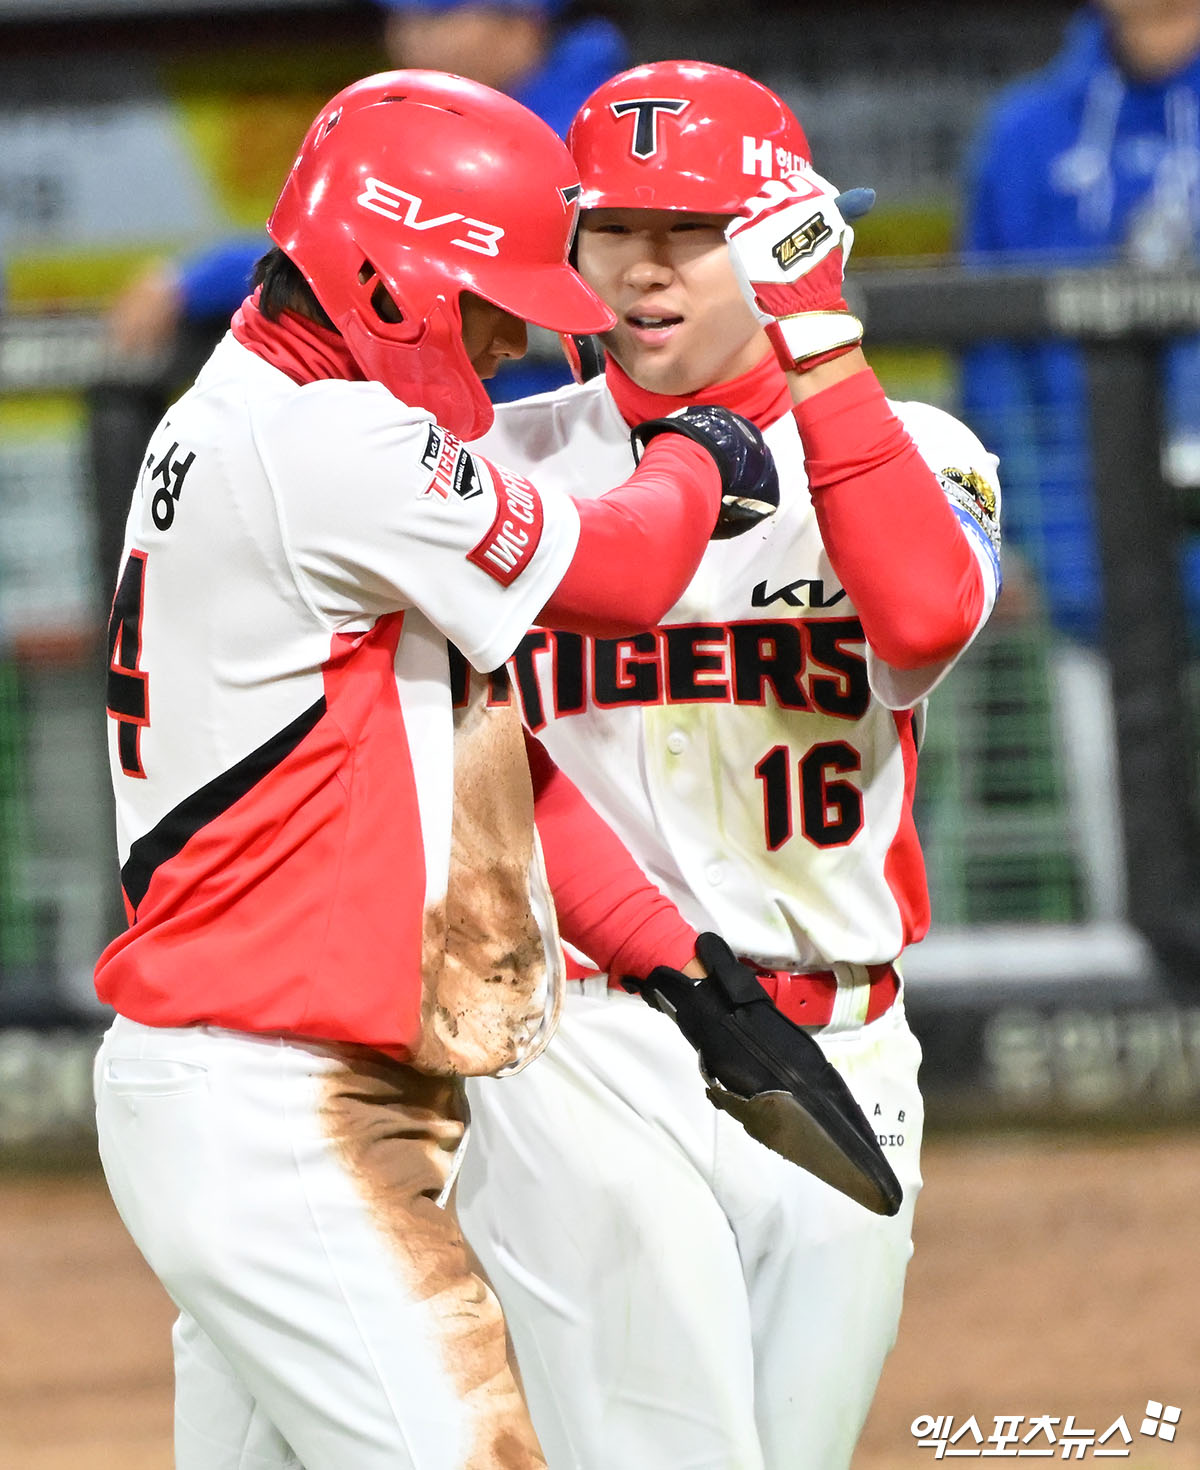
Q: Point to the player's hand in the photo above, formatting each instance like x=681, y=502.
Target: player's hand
x=790, y=257
x=749, y=482
x=771, y=1075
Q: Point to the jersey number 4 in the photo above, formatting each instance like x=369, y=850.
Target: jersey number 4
x=128, y=687
x=831, y=811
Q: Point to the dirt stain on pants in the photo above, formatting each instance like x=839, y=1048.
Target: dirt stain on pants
x=397, y=1130
x=484, y=959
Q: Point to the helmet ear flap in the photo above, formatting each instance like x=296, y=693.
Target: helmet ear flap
x=384, y=305
x=585, y=356
x=381, y=301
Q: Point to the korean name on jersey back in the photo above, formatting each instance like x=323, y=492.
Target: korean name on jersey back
x=163, y=476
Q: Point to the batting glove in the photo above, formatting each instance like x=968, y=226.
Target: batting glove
x=771, y=1076
x=749, y=482
x=790, y=256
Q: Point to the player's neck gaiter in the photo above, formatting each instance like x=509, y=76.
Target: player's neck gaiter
x=300, y=348
x=761, y=395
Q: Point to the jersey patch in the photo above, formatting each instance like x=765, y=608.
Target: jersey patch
x=973, y=501
x=452, y=467
x=968, y=490
x=513, y=536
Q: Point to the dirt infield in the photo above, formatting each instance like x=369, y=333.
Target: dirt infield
x=1051, y=1276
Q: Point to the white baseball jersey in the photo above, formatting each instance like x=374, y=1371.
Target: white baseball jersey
x=679, y=1295
x=753, y=752
x=284, y=751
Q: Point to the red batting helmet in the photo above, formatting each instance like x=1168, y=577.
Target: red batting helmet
x=431, y=185
x=682, y=135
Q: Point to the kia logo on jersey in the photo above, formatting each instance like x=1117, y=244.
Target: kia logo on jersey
x=792, y=595
x=398, y=204
x=645, y=129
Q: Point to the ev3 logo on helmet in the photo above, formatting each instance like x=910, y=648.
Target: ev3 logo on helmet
x=801, y=242
x=398, y=204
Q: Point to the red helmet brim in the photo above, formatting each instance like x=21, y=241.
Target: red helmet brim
x=552, y=296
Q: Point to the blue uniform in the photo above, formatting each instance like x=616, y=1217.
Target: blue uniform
x=582, y=56
x=1080, y=164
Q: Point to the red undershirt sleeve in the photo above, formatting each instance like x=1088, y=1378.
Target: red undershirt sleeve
x=607, y=907
x=639, y=544
x=892, y=538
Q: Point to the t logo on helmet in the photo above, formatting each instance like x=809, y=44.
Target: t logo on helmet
x=645, y=131
x=398, y=204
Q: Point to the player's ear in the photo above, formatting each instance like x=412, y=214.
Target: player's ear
x=585, y=355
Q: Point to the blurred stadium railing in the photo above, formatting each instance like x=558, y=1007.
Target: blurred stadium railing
x=1062, y=975
x=1058, y=793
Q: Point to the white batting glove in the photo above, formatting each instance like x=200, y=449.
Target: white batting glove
x=789, y=256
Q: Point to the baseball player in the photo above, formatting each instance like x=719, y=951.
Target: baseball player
x=678, y=1295
x=337, y=902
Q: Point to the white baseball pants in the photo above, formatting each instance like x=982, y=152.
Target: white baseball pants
x=681, y=1298
x=286, y=1196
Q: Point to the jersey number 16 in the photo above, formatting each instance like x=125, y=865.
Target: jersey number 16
x=831, y=811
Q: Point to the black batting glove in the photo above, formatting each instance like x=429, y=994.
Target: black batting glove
x=771, y=1075
x=749, y=483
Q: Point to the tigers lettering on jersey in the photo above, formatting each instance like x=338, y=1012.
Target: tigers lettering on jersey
x=809, y=664
x=513, y=536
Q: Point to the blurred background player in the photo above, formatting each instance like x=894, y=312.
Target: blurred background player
x=677, y=1296
x=516, y=46
x=278, y=1096
x=1094, y=159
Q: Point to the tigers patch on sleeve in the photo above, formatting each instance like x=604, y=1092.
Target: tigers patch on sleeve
x=450, y=465
x=973, y=496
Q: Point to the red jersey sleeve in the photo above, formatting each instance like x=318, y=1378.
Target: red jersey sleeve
x=893, y=540
x=639, y=544
x=607, y=907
